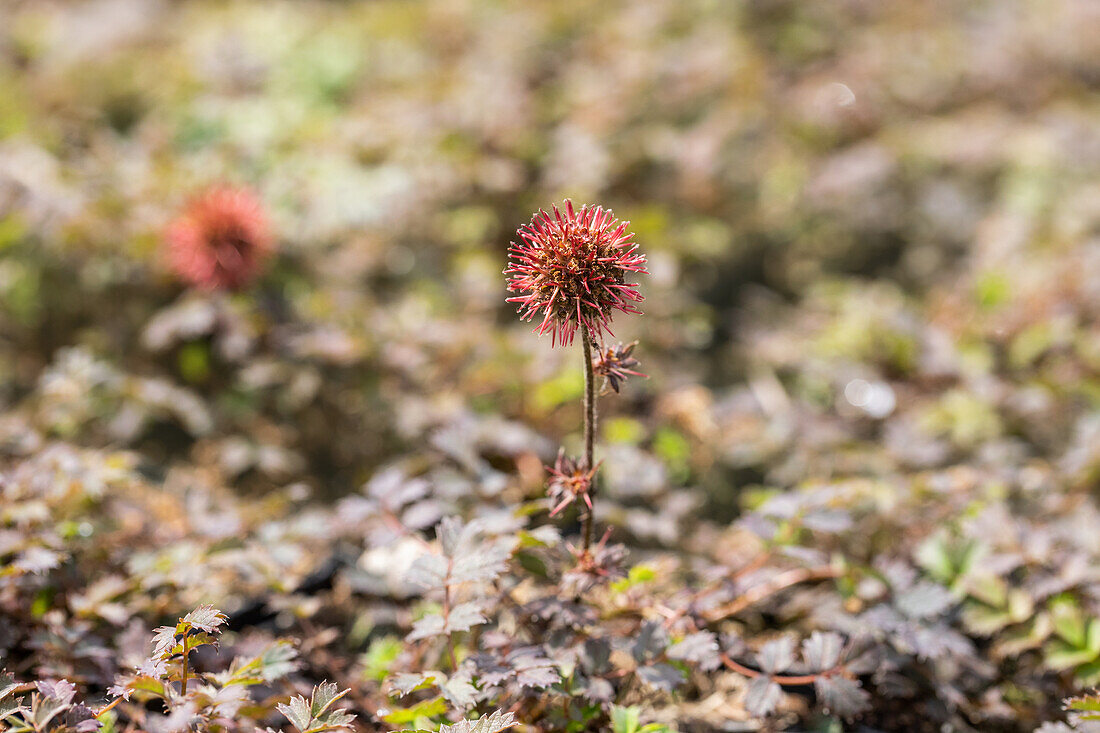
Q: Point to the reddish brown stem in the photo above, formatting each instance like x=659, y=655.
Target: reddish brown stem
x=589, y=431
x=447, y=620
x=108, y=706
x=784, y=580
x=802, y=679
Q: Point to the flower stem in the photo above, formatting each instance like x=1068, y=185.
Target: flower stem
x=108, y=706
x=447, y=620
x=589, y=429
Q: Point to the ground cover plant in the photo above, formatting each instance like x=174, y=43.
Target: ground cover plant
x=276, y=452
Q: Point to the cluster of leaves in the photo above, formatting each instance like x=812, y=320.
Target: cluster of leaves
x=869, y=436
x=52, y=708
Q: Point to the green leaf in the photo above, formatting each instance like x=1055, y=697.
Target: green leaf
x=623, y=430
x=934, y=557
x=1058, y=655
x=638, y=574
x=533, y=564
x=275, y=662
x=324, y=695
x=625, y=719
x=1020, y=605
x=147, y=684
x=566, y=387
x=318, y=715
x=1069, y=623
x=297, y=712
x=380, y=656
x=425, y=709
x=984, y=620
x=496, y=722
x=1088, y=674
x=1092, y=636
x=194, y=362
x=1086, y=704
x=207, y=618
x=989, y=589
x=1030, y=636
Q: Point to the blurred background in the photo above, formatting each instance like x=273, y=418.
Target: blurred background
x=872, y=324
x=873, y=228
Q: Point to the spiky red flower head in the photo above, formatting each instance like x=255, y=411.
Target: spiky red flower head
x=595, y=565
x=220, y=240
x=569, y=481
x=615, y=364
x=572, y=269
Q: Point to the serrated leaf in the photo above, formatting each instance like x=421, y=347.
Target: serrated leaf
x=164, y=641
x=460, y=690
x=150, y=685
x=80, y=718
x=61, y=691
x=491, y=671
x=427, y=627
x=333, y=720
x=493, y=723
x=821, y=651
x=1090, y=703
x=841, y=696
x=324, y=695
x=661, y=676
x=318, y=715
x=206, y=618
x=924, y=600
x=532, y=669
x=297, y=712
x=762, y=695
x=485, y=563
x=10, y=707
x=429, y=571
x=453, y=534
x=7, y=684
x=405, y=682
x=594, y=689
x=465, y=616
x=934, y=642
x=777, y=655
x=700, y=648
x=275, y=662
x=1086, y=704
x=652, y=639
